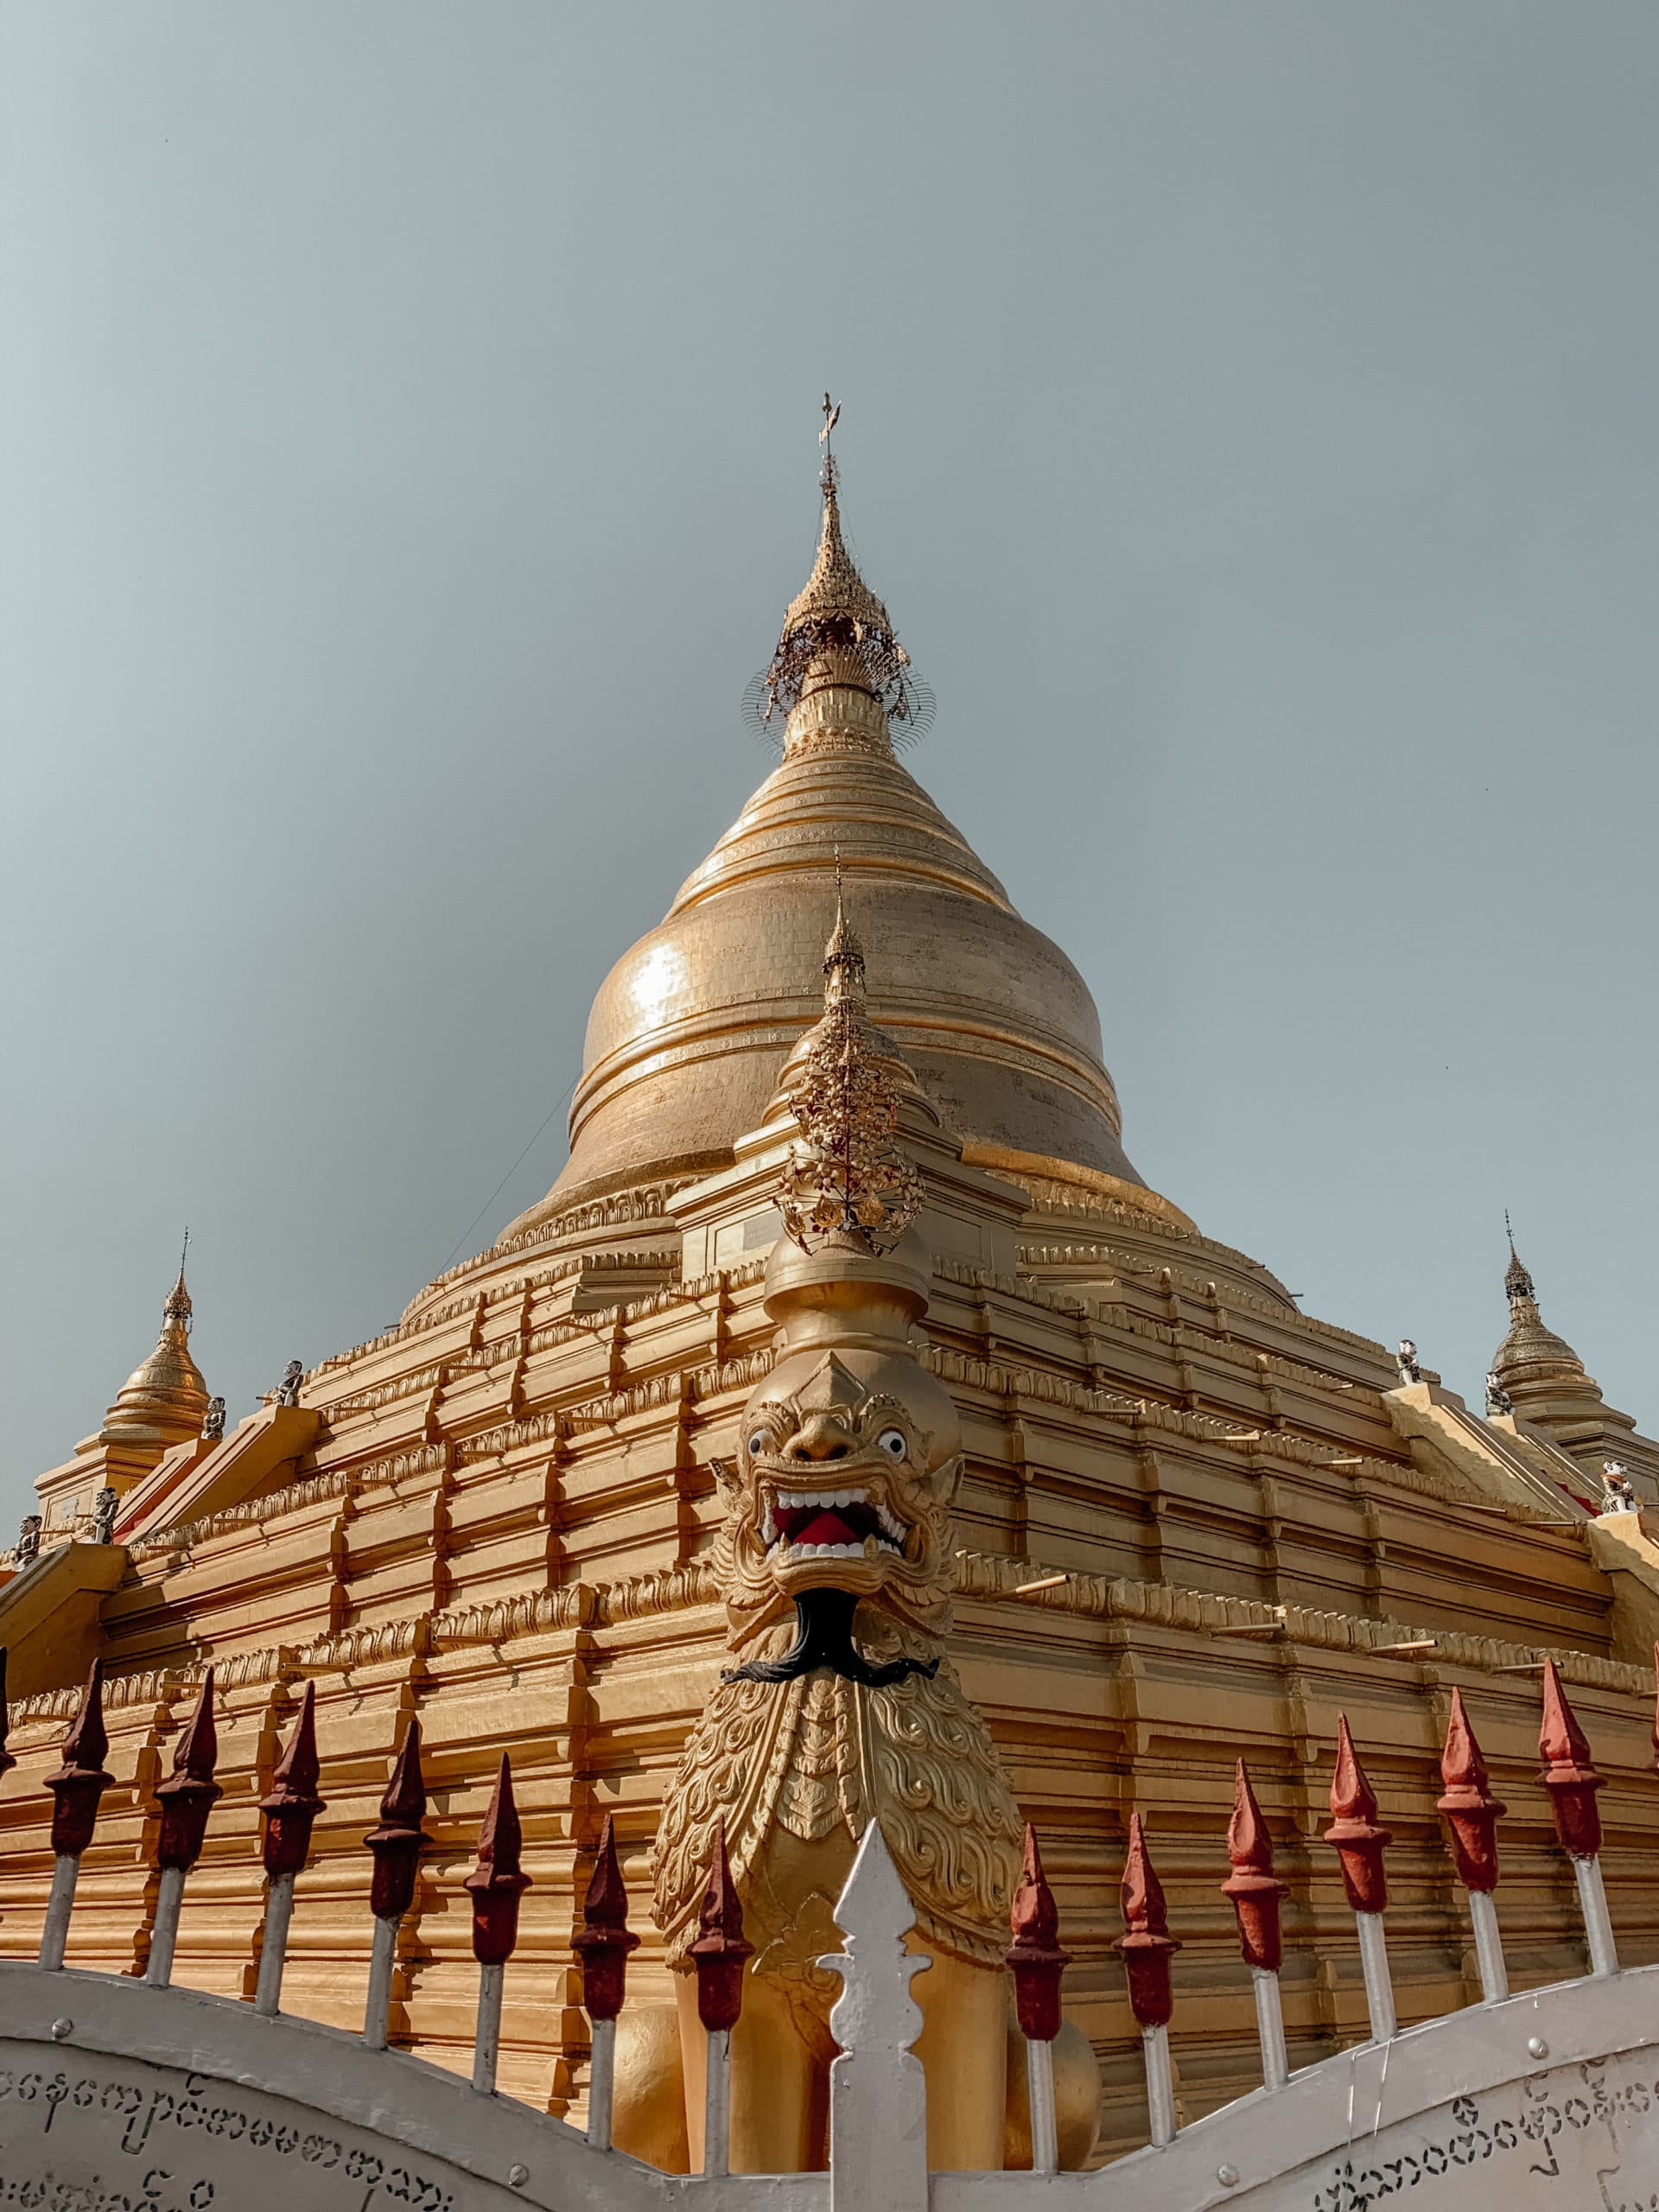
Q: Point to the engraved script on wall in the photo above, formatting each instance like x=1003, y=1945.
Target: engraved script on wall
x=1578, y=2138
x=98, y=2134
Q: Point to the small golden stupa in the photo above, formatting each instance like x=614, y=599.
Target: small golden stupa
x=165, y=1395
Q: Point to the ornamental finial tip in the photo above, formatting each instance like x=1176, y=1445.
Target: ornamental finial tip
x=177, y=1308
x=827, y=474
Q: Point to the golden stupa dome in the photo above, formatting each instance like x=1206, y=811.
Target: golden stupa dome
x=166, y=1394
x=687, y=1034
x=1538, y=1368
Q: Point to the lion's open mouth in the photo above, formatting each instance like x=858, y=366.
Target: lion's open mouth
x=828, y=1524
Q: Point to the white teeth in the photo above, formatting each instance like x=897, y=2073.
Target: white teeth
x=892, y=1534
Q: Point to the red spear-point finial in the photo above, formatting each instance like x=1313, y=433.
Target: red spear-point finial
x=399, y=1841
x=1148, y=1943
x=1358, y=1840
x=7, y=1762
x=189, y=1793
x=1254, y=1889
x=603, y=1941
x=294, y=1803
x=497, y=1881
x=80, y=1781
x=1470, y=1810
x=1035, y=1955
x=1569, y=1772
x=720, y=1948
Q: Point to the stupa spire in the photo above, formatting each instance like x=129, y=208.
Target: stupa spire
x=837, y=636
x=843, y=955
x=178, y=1309
x=1517, y=1283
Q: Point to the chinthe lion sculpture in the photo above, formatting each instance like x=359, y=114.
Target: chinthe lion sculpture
x=840, y=1708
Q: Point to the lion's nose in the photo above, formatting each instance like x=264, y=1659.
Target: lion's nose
x=819, y=1437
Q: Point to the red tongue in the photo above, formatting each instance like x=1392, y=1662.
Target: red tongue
x=826, y=1527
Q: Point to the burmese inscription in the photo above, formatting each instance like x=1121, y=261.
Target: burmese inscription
x=1578, y=2138
x=96, y=2134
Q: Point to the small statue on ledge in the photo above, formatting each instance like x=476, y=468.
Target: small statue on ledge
x=1406, y=1360
x=28, y=1539
x=288, y=1390
x=1618, y=1493
x=104, y=1507
x=213, y=1422
x=1498, y=1400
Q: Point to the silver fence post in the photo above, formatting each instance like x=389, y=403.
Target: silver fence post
x=602, y=1943
x=717, y=2104
x=878, y=2094
x=164, y=1931
x=1270, y=2029
x=1570, y=1778
x=77, y=1787
x=273, y=1952
x=602, y=2083
x=1489, y=1946
x=1359, y=1843
x=1037, y=1964
x=486, y=2035
x=496, y=1885
x=1040, y=2085
x=1160, y=2084
x=1256, y=1895
x=378, y=2005
x=54, y=1933
x=1379, y=1983
x=1472, y=1813
x=185, y=1800
x=1598, y=1924
x=289, y=1809
x=396, y=1843
x=1146, y=1946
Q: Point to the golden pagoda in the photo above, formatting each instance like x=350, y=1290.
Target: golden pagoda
x=1190, y=1521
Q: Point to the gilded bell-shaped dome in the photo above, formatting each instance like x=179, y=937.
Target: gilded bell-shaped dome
x=1543, y=1374
x=685, y=1037
x=166, y=1394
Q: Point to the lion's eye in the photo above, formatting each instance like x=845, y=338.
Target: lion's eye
x=892, y=1441
x=758, y=1443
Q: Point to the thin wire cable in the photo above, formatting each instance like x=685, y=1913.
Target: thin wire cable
x=508, y=1177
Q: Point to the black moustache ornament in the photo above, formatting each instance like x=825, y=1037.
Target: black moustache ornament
x=823, y=1637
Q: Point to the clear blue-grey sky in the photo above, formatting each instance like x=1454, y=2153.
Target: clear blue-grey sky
x=407, y=419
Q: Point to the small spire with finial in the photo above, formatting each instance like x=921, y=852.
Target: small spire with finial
x=847, y=1175
x=831, y=416
x=843, y=955
x=836, y=630
x=178, y=1308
